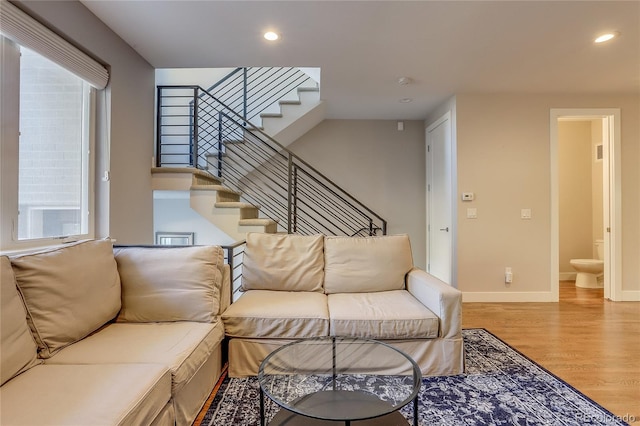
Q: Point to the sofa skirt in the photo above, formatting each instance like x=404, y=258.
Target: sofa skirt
x=166, y=417
x=435, y=357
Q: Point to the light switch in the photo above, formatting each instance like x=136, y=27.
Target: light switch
x=468, y=196
x=472, y=213
x=525, y=214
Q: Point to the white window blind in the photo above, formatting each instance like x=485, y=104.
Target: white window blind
x=26, y=31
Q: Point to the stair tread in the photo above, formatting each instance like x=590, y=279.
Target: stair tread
x=289, y=102
x=234, y=205
x=308, y=89
x=220, y=188
x=191, y=170
x=257, y=221
x=271, y=115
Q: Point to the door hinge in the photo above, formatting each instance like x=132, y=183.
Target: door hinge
x=428, y=148
x=428, y=187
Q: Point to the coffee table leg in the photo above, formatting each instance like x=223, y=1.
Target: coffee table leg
x=415, y=410
x=261, y=407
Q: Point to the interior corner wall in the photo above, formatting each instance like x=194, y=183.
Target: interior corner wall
x=124, y=206
x=382, y=167
x=503, y=148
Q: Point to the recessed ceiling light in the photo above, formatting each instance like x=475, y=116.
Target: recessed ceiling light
x=405, y=100
x=271, y=36
x=606, y=37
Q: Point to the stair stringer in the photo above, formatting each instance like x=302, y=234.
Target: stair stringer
x=212, y=200
x=296, y=117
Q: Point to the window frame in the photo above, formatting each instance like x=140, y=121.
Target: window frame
x=9, y=155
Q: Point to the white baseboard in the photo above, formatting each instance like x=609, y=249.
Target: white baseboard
x=567, y=276
x=629, y=295
x=488, y=297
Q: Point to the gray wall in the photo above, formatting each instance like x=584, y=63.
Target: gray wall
x=124, y=204
x=503, y=156
x=377, y=164
x=174, y=214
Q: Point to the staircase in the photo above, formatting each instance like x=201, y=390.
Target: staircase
x=240, y=177
x=294, y=117
x=215, y=202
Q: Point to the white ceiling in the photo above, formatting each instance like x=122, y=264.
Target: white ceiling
x=363, y=47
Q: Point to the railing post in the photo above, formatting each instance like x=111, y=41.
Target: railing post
x=244, y=94
x=230, y=263
x=159, y=127
x=289, y=194
x=295, y=200
x=370, y=227
x=194, y=145
x=220, y=144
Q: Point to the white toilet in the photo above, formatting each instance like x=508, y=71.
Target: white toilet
x=590, y=271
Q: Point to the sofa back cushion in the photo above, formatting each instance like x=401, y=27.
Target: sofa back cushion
x=69, y=292
x=170, y=283
x=366, y=264
x=283, y=262
x=17, y=348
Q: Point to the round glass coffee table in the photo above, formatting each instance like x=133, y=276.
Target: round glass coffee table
x=320, y=381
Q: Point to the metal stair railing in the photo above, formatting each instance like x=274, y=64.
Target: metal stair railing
x=286, y=187
x=249, y=91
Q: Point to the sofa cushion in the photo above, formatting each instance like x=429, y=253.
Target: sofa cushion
x=392, y=314
x=277, y=314
x=182, y=347
x=283, y=262
x=361, y=265
x=108, y=394
x=17, y=348
x=170, y=284
x=69, y=292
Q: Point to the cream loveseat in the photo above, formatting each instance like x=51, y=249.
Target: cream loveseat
x=92, y=335
x=308, y=286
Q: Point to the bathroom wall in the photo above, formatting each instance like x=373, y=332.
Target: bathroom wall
x=575, y=163
x=596, y=186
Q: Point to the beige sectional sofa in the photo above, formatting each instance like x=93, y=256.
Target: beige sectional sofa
x=92, y=335
x=308, y=286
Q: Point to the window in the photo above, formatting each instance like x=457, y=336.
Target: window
x=53, y=167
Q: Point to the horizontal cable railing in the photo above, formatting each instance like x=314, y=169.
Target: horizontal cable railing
x=287, y=188
x=234, y=257
x=250, y=91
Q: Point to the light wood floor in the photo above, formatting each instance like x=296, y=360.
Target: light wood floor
x=591, y=343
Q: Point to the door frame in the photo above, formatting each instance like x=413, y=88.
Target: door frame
x=612, y=203
x=446, y=117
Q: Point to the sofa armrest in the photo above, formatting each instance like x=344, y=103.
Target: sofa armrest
x=442, y=299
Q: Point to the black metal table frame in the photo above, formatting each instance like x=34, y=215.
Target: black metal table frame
x=333, y=381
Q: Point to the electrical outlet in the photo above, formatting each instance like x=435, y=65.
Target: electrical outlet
x=508, y=275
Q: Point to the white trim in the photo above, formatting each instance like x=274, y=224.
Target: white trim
x=613, y=269
x=28, y=32
x=630, y=295
x=499, y=297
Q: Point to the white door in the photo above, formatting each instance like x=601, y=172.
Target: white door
x=439, y=201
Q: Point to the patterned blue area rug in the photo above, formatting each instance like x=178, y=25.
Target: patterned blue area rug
x=500, y=387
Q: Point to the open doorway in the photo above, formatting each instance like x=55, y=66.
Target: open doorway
x=607, y=121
